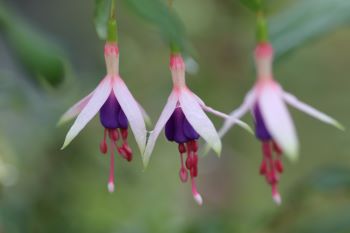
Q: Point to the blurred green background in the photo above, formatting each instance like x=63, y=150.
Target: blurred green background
x=51, y=56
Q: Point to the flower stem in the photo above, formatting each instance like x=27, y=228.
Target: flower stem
x=261, y=28
x=174, y=47
x=112, y=34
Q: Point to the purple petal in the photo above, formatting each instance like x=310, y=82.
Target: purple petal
x=189, y=131
x=170, y=128
x=260, y=128
x=179, y=118
x=109, y=113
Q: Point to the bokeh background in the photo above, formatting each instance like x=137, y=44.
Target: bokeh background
x=51, y=56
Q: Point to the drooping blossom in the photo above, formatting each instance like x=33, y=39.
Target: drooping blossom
x=185, y=122
x=117, y=109
x=273, y=124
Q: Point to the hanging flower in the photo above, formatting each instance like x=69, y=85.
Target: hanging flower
x=273, y=124
x=117, y=108
x=185, y=121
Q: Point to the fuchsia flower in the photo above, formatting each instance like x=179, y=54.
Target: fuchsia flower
x=185, y=121
x=273, y=124
x=117, y=108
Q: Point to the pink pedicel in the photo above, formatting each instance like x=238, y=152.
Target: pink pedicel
x=263, y=50
x=111, y=49
x=176, y=62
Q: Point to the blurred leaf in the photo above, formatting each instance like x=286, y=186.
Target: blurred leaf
x=305, y=21
x=157, y=13
x=253, y=5
x=334, y=222
x=101, y=17
x=42, y=59
x=330, y=179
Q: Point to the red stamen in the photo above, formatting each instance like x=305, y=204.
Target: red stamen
x=183, y=174
x=182, y=148
x=124, y=133
x=128, y=152
x=263, y=167
x=103, y=147
x=271, y=167
x=266, y=149
x=113, y=134
x=189, y=158
x=276, y=148
x=279, y=165
x=194, y=146
x=103, y=144
x=194, y=171
x=194, y=159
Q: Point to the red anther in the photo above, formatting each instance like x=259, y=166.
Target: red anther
x=266, y=149
x=194, y=146
x=128, y=152
x=129, y=157
x=121, y=151
x=279, y=166
x=113, y=134
x=194, y=171
x=103, y=147
x=124, y=133
x=189, y=163
x=127, y=149
x=263, y=168
x=182, y=148
x=183, y=174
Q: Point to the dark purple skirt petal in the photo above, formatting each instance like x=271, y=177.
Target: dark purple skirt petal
x=189, y=130
x=261, y=131
x=123, y=121
x=111, y=114
x=178, y=129
x=170, y=128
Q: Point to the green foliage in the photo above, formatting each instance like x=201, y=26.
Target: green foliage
x=254, y=5
x=305, y=21
x=153, y=11
x=41, y=58
x=102, y=12
x=157, y=13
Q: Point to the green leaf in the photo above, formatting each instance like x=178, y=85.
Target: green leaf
x=306, y=21
x=157, y=13
x=254, y=5
x=41, y=58
x=101, y=17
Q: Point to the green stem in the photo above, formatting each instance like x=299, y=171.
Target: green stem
x=262, y=34
x=174, y=47
x=112, y=33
